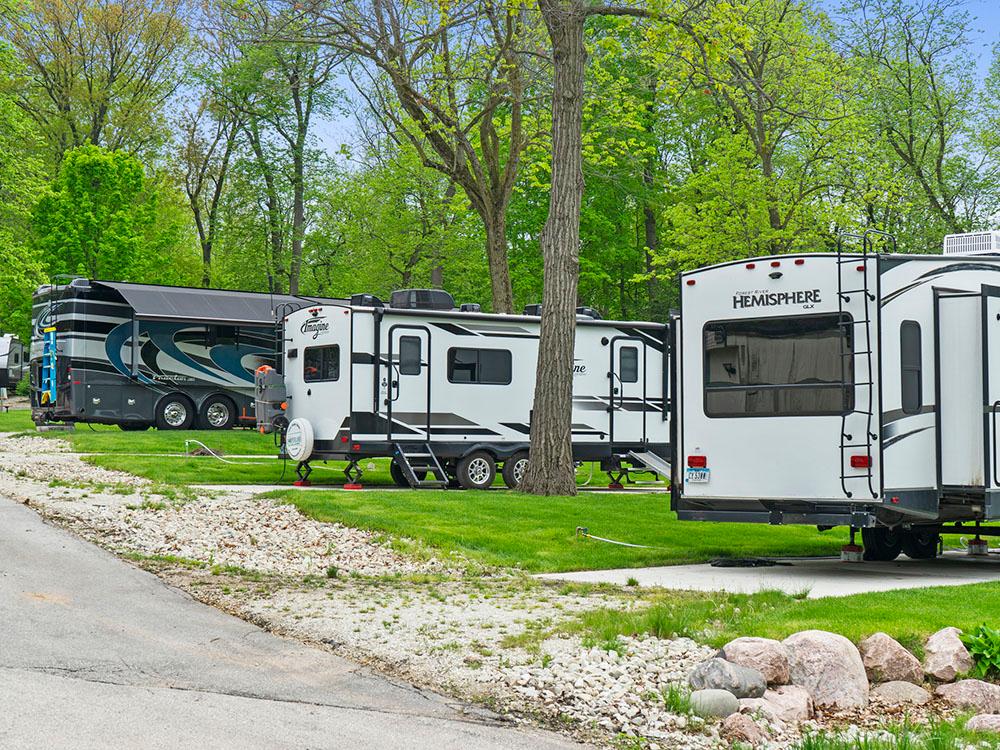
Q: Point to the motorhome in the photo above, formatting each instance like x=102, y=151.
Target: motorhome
x=12, y=361
x=447, y=392
x=139, y=355
x=856, y=389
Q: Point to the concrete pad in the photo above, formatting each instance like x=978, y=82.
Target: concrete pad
x=820, y=577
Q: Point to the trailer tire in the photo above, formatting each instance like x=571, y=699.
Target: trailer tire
x=174, y=412
x=476, y=471
x=217, y=413
x=514, y=469
x=400, y=478
x=882, y=544
x=920, y=544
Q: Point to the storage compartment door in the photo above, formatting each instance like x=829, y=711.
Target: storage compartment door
x=991, y=397
x=960, y=388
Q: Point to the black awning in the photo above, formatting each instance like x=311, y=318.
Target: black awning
x=210, y=305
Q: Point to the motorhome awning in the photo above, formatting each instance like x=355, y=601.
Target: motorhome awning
x=185, y=303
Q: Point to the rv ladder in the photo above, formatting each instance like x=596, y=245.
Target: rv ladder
x=412, y=459
x=48, y=394
x=862, y=358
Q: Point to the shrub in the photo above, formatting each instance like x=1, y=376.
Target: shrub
x=984, y=646
x=23, y=388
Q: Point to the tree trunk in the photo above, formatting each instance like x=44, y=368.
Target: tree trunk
x=496, y=255
x=550, y=470
x=298, y=221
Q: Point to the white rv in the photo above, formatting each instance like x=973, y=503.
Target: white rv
x=858, y=389
x=12, y=361
x=447, y=393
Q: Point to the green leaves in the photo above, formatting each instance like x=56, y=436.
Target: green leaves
x=984, y=646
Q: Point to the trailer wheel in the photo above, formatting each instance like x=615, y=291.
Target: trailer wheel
x=920, y=544
x=217, y=413
x=174, y=412
x=882, y=544
x=399, y=478
x=476, y=471
x=514, y=469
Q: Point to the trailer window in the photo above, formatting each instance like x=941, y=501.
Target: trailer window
x=910, y=366
x=789, y=366
x=409, y=355
x=487, y=366
x=628, y=364
x=321, y=363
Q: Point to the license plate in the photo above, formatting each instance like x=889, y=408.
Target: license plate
x=696, y=476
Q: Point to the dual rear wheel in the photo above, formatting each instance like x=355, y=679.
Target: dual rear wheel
x=884, y=544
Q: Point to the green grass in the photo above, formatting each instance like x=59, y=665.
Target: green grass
x=16, y=420
x=539, y=533
x=907, y=615
x=938, y=735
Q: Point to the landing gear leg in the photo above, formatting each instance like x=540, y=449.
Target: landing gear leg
x=353, y=473
x=302, y=471
x=852, y=552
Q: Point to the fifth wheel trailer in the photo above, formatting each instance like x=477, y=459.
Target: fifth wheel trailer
x=447, y=393
x=12, y=361
x=138, y=355
x=858, y=389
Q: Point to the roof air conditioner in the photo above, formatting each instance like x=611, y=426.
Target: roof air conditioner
x=422, y=299
x=972, y=243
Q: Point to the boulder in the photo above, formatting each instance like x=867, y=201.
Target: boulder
x=767, y=656
x=945, y=656
x=786, y=703
x=719, y=674
x=714, y=703
x=829, y=667
x=886, y=660
x=984, y=723
x=898, y=693
x=742, y=729
x=977, y=695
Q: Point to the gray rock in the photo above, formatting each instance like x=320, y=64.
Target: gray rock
x=719, y=674
x=767, y=656
x=945, y=656
x=741, y=728
x=787, y=703
x=984, y=723
x=714, y=703
x=886, y=660
x=980, y=696
x=829, y=667
x=899, y=692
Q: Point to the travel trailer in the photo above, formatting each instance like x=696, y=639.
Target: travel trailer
x=852, y=388
x=139, y=355
x=12, y=361
x=447, y=393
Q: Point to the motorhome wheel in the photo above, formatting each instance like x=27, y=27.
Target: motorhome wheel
x=920, y=544
x=299, y=439
x=174, y=412
x=218, y=413
x=514, y=469
x=882, y=544
x=477, y=471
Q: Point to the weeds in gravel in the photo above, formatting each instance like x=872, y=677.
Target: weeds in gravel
x=677, y=699
x=333, y=571
x=938, y=735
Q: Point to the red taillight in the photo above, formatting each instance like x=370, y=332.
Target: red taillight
x=355, y=447
x=343, y=438
x=697, y=462
x=861, y=462
x=861, y=268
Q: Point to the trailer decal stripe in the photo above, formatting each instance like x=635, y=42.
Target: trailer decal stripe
x=893, y=440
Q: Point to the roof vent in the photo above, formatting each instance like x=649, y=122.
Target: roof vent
x=365, y=300
x=471, y=307
x=422, y=299
x=588, y=312
x=972, y=243
x=535, y=310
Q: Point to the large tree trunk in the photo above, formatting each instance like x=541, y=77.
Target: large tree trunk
x=496, y=254
x=298, y=221
x=550, y=470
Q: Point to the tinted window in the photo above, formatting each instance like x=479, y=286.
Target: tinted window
x=792, y=366
x=628, y=364
x=321, y=363
x=489, y=366
x=409, y=355
x=910, y=360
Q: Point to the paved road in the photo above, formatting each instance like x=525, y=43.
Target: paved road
x=96, y=653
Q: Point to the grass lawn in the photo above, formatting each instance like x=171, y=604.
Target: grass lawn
x=16, y=420
x=539, y=534
x=907, y=615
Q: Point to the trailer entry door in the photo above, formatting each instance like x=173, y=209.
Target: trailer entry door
x=409, y=393
x=627, y=397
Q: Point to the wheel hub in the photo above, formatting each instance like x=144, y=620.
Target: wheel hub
x=217, y=414
x=175, y=414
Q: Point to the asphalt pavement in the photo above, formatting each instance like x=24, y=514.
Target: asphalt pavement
x=95, y=653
